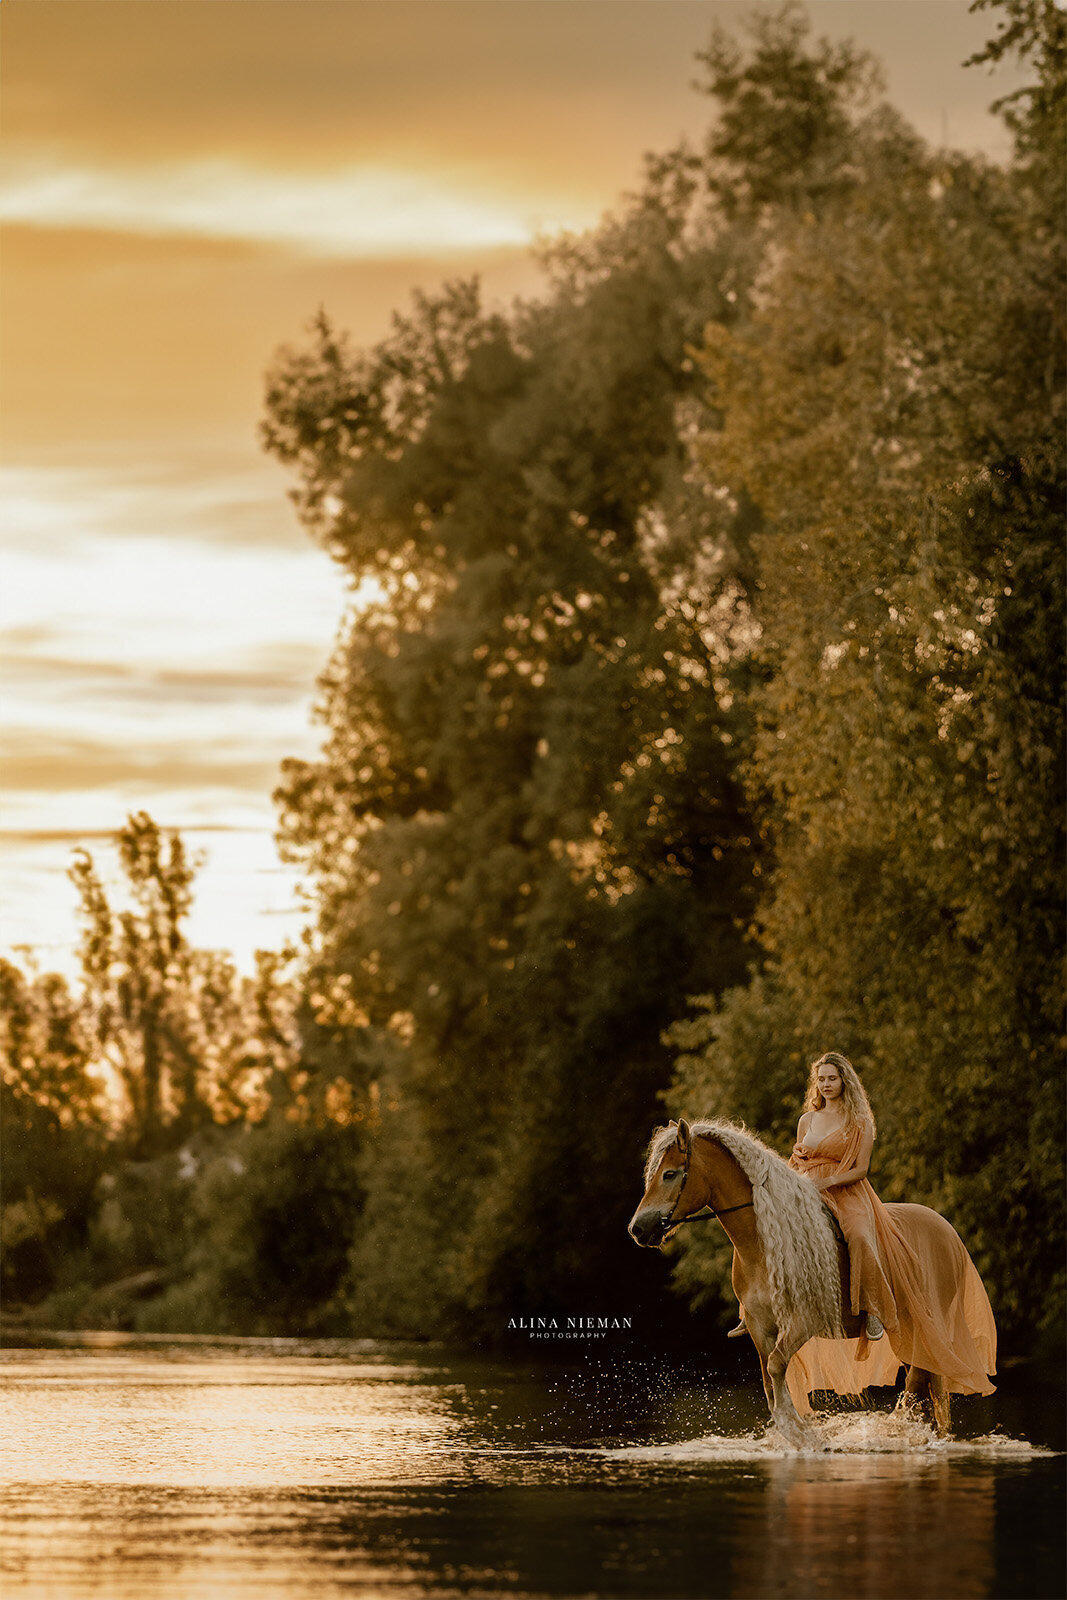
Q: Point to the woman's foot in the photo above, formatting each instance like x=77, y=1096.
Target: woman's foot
x=874, y=1327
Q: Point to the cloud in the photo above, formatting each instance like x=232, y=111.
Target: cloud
x=281, y=674
x=357, y=212
x=54, y=763
x=69, y=710
x=76, y=836
x=189, y=497
x=80, y=587
x=516, y=87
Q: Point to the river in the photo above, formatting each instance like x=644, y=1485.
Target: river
x=140, y=1468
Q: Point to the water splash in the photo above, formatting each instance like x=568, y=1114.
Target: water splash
x=851, y=1433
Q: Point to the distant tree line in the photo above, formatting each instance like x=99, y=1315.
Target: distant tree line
x=700, y=708
x=167, y=1163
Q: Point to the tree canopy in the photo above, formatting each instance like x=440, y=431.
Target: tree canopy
x=708, y=640
x=895, y=407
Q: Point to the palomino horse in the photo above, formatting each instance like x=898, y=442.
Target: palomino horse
x=790, y=1266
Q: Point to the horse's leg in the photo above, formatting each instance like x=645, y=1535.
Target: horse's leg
x=757, y=1321
x=787, y=1418
x=916, y=1391
x=774, y=1355
x=762, y=1331
x=768, y=1389
x=940, y=1405
x=928, y=1393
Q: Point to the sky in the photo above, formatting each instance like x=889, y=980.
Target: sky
x=184, y=183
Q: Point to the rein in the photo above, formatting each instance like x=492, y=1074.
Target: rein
x=708, y=1212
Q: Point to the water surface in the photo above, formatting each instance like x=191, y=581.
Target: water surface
x=184, y=1469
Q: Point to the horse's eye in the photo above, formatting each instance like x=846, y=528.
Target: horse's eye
x=669, y=1177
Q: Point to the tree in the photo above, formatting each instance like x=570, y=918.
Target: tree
x=51, y=1129
x=188, y=1040
x=894, y=408
x=525, y=830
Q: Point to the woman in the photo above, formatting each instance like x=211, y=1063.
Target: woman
x=835, y=1136
x=910, y=1273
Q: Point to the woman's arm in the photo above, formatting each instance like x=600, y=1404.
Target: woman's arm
x=841, y=1180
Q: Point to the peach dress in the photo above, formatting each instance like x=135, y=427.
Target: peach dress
x=910, y=1267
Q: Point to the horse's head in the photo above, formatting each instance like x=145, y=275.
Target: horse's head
x=662, y=1206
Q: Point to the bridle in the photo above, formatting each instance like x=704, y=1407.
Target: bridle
x=706, y=1213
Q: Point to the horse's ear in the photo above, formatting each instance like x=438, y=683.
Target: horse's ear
x=682, y=1135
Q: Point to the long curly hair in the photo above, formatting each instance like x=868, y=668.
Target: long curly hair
x=853, y=1095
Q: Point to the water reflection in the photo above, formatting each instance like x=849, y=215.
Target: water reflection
x=255, y=1421
x=194, y=1470
x=869, y=1528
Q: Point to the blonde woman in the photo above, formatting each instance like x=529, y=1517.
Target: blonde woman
x=835, y=1136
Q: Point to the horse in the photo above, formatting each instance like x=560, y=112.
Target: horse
x=790, y=1263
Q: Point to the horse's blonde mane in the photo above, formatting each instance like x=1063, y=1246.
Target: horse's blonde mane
x=795, y=1228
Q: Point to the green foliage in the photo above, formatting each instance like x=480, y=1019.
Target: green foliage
x=894, y=407
x=786, y=116
x=114, y=1096
x=142, y=1220
x=730, y=565
x=525, y=830
x=270, y=1210
x=1037, y=113
x=51, y=1133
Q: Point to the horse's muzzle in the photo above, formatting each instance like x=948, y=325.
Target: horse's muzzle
x=648, y=1228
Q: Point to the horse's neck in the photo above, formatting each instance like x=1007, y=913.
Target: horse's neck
x=727, y=1186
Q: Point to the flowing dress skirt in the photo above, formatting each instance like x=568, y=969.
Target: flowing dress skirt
x=911, y=1268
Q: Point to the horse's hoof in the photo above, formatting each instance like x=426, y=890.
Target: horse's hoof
x=792, y=1432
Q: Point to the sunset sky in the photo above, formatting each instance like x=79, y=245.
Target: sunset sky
x=185, y=182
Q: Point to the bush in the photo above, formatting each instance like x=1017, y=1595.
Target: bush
x=272, y=1212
